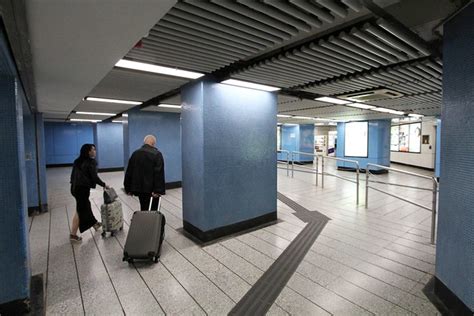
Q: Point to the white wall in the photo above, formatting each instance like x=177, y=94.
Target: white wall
x=426, y=158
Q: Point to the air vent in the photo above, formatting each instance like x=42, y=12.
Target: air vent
x=373, y=95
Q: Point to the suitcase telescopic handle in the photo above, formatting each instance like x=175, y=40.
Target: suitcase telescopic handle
x=151, y=202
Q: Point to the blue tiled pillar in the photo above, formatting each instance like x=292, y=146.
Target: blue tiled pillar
x=108, y=139
x=15, y=265
x=35, y=161
x=378, y=151
x=298, y=138
x=455, y=239
x=167, y=130
x=229, y=161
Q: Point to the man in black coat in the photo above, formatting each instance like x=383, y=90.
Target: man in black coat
x=145, y=175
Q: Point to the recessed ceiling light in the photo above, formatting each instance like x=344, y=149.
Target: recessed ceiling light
x=250, y=85
x=332, y=100
x=283, y=115
x=95, y=113
x=112, y=100
x=129, y=64
x=171, y=106
x=415, y=115
x=303, y=117
x=84, y=120
x=390, y=111
x=360, y=106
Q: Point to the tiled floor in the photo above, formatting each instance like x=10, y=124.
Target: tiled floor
x=366, y=261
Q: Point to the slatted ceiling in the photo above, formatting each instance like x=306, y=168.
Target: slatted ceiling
x=208, y=35
x=409, y=79
x=370, y=46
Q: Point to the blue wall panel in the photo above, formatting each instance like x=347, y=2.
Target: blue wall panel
x=166, y=128
x=14, y=246
x=229, y=143
x=455, y=239
x=64, y=141
x=306, y=142
x=108, y=138
x=378, y=145
x=298, y=138
x=30, y=158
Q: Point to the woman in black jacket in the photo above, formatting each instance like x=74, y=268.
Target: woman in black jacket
x=83, y=178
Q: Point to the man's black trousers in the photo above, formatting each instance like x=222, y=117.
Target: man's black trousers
x=145, y=202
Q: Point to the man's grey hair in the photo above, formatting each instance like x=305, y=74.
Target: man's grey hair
x=149, y=138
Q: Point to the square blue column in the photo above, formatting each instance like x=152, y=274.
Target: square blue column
x=167, y=130
x=298, y=138
x=229, y=160
x=378, y=150
x=108, y=139
x=14, y=246
x=35, y=161
x=455, y=239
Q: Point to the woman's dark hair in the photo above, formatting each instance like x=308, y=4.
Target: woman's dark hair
x=84, y=155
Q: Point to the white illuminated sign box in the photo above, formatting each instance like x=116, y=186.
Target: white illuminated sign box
x=356, y=139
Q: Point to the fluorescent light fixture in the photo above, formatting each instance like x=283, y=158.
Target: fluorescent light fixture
x=283, y=115
x=171, y=106
x=125, y=115
x=303, y=117
x=112, y=100
x=129, y=64
x=390, y=111
x=84, y=120
x=322, y=119
x=250, y=85
x=332, y=100
x=114, y=121
x=332, y=124
x=415, y=115
x=360, y=106
x=95, y=113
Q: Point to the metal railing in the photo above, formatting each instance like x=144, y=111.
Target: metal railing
x=434, y=201
x=315, y=170
x=357, y=169
x=287, y=152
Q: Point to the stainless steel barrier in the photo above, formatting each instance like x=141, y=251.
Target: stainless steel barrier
x=287, y=152
x=434, y=203
x=315, y=170
x=355, y=162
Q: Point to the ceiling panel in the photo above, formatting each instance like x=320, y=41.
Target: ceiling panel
x=134, y=85
x=89, y=106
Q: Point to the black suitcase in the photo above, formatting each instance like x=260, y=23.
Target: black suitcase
x=145, y=235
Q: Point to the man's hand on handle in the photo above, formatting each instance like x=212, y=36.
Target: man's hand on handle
x=155, y=195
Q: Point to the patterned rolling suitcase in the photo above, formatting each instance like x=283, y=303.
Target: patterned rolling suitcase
x=145, y=235
x=112, y=217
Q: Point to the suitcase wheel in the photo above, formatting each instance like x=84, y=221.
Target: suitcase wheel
x=112, y=234
x=155, y=260
x=130, y=260
x=121, y=227
x=103, y=234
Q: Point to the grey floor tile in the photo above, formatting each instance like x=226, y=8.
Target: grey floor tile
x=324, y=298
x=39, y=243
x=295, y=304
x=240, y=266
x=363, y=298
